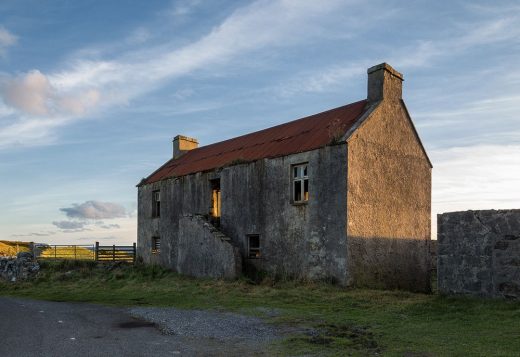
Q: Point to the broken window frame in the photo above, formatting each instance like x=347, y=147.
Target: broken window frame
x=156, y=203
x=156, y=245
x=253, y=252
x=300, y=183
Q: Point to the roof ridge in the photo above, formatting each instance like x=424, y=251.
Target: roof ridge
x=299, y=135
x=279, y=125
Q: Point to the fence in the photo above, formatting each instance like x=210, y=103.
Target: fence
x=105, y=253
x=120, y=253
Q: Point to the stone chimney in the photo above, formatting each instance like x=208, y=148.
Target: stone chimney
x=183, y=144
x=384, y=82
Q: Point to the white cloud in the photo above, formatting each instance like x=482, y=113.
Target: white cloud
x=29, y=93
x=501, y=107
x=422, y=53
x=110, y=226
x=139, y=35
x=34, y=234
x=95, y=210
x=470, y=35
x=69, y=225
x=183, y=8
x=475, y=177
x=34, y=94
x=69, y=94
x=321, y=81
x=7, y=39
x=74, y=226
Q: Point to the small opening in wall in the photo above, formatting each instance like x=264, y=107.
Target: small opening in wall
x=156, y=245
x=156, y=203
x=215, y=198
x=253, y=246
x=215, y=208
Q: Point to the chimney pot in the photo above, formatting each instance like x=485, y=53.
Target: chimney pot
x=384, y=82
x=182, y=144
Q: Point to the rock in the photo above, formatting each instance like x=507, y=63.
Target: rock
x=25, y=255
x=20, y=268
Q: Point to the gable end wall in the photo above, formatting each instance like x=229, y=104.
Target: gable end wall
x=389, y=202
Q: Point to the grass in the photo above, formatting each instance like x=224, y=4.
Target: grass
x=356, y=322
x=67, y=253
x=11, y=248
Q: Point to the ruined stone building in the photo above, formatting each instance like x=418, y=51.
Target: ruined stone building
x=343, y=196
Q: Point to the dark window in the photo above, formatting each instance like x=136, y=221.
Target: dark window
x=156, y=245
x=156, y=203
x=253, y=246
x=300, y=183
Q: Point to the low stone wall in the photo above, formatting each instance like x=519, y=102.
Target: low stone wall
x=479, y=253
x=17, y=268
x=204, y=251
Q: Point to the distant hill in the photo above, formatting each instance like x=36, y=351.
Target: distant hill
x=9, y=248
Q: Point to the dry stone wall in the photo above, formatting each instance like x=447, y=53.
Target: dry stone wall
x=17, y=268
x=479, y=253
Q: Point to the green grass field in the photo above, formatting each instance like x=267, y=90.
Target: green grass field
x=355, y=322
x=11, y=248
x=67, y=253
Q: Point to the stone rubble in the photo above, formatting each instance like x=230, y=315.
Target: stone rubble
x=21, y=267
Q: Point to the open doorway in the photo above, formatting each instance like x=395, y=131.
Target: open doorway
x=215, y=210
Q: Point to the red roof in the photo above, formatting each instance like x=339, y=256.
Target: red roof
x=300, y=135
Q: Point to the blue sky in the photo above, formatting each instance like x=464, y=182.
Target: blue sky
x=92, y=92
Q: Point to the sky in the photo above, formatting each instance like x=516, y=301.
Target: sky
x=92, y=93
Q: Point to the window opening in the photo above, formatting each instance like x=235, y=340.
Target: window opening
x=300, y=183
x=156, y=245
x=253, y=246
x=215, y=198
x=156, y=203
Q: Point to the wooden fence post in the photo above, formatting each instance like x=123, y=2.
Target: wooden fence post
x=114, y=253
x=75, y=246
x=135, y=252
x=96, y=252
x=55, y=251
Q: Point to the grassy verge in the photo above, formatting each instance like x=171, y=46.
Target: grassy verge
x=348, y=321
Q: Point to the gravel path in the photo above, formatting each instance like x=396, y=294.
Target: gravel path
x=221, y=326
x=44, y=328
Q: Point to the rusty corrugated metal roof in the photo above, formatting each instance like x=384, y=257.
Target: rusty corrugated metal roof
x=300, y=135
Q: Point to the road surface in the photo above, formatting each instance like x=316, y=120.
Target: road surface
x=43, y=328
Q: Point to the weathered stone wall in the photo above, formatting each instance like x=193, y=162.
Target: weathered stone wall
x=306, y=241
x=204, y=251
x=479, y=253
x=21, y=267
x=303, y=241
x=433, y=254
x=185, y=195
x=389, y=202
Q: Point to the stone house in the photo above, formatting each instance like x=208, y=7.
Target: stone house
x=342, y=196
